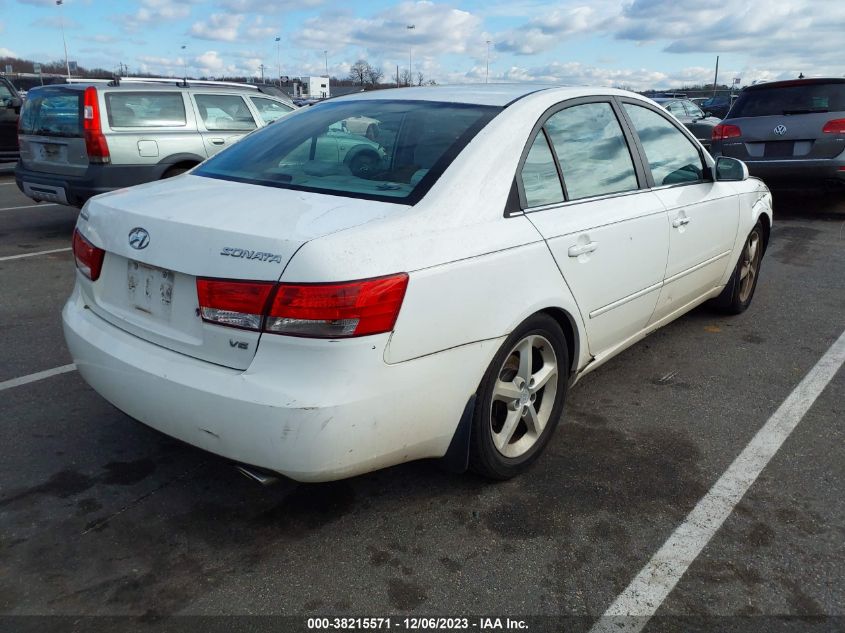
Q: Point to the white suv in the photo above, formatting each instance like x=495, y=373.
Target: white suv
x=279, y=308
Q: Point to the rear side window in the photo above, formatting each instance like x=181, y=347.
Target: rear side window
x=592, y=151
x=540, y=180
x=672, y=157
x=798, y=99
x=224, y=112
x=397, y=156
x=145, y=109
x=676, y=108
x=52, y=112
x=5, y=93
x=270, y=110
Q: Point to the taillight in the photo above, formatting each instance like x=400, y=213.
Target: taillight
x=89, y=258
x=95, y=142
x=331, y=310
x=725, y=130
x=239, y=304
x=836, y=126
x=354, y=308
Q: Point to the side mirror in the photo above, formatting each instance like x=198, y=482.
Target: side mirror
x=730, y=169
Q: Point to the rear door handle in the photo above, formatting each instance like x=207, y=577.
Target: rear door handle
x=580, y=249
x=679, y=222
x=218, y=141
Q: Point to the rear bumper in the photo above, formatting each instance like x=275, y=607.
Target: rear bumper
x=788, y=174
x=76, y=190
x=312, y=410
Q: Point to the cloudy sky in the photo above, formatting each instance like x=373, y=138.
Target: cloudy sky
x=636, y=43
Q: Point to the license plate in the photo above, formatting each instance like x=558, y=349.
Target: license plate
x=51, y=151
x=150, y=289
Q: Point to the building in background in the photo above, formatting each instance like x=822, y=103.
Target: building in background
x=311, y=88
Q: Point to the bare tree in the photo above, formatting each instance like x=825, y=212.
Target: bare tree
x=420, y=79
x=359, y=72
x=374, y=74
x=405, y=78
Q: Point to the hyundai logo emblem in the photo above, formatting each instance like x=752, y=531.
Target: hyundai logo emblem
x=780, y=130
x=139, y=238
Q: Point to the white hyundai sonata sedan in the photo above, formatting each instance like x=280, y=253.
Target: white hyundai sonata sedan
x=295, y=310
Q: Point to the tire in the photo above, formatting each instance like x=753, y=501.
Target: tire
x=364, y=165
x=739, y=291
x=505, y=440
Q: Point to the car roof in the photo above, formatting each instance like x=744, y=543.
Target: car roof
x=479, y=94
x=796, y=82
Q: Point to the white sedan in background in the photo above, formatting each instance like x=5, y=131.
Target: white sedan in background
x=280, y=309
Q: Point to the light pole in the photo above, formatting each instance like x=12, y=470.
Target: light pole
x=185, y=61
x=487, y=72
x=64, y=41
x=261, y=68
x=326, y=55
x=279, y=58
x=410, y=27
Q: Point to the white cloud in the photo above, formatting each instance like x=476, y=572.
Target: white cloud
x=265, y=6
x=258, y=30
x=5, y=52
x=438, y=29
x=219, y=26
x=154, y=12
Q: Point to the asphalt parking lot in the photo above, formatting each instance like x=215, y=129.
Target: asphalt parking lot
x=100, y=515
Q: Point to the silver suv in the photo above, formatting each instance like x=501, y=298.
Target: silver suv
x=81, y=139
x=789, y=133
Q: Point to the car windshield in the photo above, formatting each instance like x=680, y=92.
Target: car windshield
x=796, y=99
x=373, y=149
x=52, y=112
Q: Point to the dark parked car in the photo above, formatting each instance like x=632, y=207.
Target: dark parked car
x=10, y=109
x=692, y=117
x=789, y=133
x=717, y=106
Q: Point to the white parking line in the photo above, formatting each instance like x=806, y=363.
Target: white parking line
x=632, y=609
x=55, y=250
x=30, y=206
x=41, y=375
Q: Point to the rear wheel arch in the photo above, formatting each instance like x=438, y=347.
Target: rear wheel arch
x=178, y=168
x=570, y=331
x=766, y=223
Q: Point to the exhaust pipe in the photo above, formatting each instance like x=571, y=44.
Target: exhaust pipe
x=263, y=477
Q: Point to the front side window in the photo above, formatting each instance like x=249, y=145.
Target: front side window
x=592, y=151
x=672, y=157
x=375, y=149
x=270, y=110
x=540, y=180
x=145, y=109
x=224, y=112
x=5, y=93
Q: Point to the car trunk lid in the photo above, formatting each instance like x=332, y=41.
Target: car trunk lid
x=159, y=238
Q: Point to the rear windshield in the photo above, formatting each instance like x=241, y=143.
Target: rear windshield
x=379, y=150
x=52, y=112
x=798, y=99
x=145, y=109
